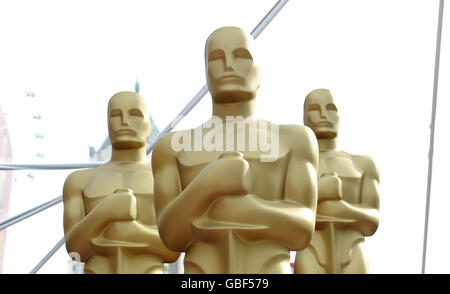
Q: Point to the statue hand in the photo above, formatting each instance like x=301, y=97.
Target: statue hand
x=329, y=187
x=229, y=175
x=121, y=205
x=334, y=208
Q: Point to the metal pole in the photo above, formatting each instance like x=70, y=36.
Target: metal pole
x=24, y=215
x=268, y=18
x=48, y=256
x=6, y=166
x=202, y=92
x=432, y=126
x=180, y=116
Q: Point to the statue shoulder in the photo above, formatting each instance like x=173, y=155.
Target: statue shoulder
x=367, y=164
x=300, y=138
x=164, y=144
x=77, y=180
x=163, y=152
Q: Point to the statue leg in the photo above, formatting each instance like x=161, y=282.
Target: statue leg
x=192, y=268
x=307, y=263
x=98, y=265
x=358, y=263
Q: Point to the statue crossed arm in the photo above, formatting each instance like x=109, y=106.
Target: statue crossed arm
x=365, y=215
x=81, y=228
x=120, y=208
x=288, y=221
x=177, y=208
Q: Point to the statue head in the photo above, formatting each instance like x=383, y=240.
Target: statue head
x=230, y=69
x=128, y=121
x=321, y=114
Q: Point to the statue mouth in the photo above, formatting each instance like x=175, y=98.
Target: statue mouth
x=230, y=78
x=324, y=124
x=126, y=132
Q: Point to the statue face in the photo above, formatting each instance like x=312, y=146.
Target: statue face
x=321, y=114
x=231, y=72
x=128, y=122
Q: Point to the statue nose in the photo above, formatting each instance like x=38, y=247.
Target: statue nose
x=124, y=121
x=228, y=68
x=227, y=63
x=323, y=113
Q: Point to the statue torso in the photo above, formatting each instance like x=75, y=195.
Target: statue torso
x=331, y=242
x=115, y=252
x=227, y=253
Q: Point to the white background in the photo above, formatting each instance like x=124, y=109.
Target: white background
x=377, y=58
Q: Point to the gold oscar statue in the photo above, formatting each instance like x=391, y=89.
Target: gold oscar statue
x=230, y=205
x=109, y=216
x=348, y=204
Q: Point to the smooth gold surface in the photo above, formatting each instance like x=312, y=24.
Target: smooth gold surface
x=348, y=204
x=109, y=216
x=228, y=210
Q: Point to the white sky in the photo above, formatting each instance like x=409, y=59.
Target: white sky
x=377, y=58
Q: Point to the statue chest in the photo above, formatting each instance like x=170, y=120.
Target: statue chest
x=268, y=177
x=106, y=182
x=347, y=171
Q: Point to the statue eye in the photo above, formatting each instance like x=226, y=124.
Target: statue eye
x=216, y=54
x=136, y=112
x=331, y=107
x=314, y=107
x=242, y=53
x=115, y=112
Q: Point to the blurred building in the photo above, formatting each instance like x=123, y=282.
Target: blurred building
x=34, y=140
